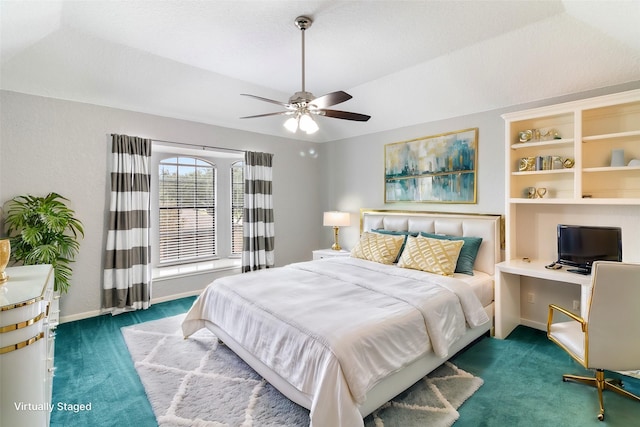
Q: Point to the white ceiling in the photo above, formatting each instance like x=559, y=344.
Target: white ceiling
x=404, y=62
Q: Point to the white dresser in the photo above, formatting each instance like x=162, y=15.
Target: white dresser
x=28, y=318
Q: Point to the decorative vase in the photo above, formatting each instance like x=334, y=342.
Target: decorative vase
x=617, y=158
x=5, y=253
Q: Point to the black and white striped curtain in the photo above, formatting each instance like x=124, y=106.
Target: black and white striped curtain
x=258, y=228
x=127, y=270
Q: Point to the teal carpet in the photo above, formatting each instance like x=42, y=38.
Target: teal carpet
x=522, y=379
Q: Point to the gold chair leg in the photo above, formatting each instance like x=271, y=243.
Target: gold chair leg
x=579, y=379
x=608, y=385
x=601, y=384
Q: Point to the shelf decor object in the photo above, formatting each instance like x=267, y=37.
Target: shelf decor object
x=617, y=158
x=439, y=168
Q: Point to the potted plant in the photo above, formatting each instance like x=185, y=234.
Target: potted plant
x=43, y=230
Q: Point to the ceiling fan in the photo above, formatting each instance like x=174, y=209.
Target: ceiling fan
x=302, y=105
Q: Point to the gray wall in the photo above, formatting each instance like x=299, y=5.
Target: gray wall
x=53, y=145
x=353, y=169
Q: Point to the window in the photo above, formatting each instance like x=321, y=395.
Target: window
x=187, y=216
x=237, y=207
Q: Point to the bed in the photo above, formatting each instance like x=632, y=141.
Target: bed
x=342, y=336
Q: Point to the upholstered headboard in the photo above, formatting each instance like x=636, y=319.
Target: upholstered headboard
x=469, y=225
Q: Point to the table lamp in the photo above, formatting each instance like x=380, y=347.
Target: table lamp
x=336, y=219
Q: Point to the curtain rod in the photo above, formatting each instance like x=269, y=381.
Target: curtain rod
x=204, y=147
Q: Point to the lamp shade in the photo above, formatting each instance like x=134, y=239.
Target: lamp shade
x=291, y=124
x=336, y=219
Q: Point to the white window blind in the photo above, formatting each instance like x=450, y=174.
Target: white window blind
x=237, y=206
x=187, y=194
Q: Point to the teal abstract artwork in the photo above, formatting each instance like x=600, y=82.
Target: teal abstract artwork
x=439, y=168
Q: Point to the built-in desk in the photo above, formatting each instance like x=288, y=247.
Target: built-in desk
x=507, y=292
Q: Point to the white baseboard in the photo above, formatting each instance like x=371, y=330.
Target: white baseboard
x=80, y=316
x=533, y=324
x=95, y=313
x=176, y=296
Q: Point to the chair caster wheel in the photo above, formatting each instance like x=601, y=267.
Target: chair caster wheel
x=600, y=417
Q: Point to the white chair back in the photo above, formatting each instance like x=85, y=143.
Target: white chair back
x=614, y=316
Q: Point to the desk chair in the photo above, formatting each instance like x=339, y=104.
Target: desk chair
x=609, y=335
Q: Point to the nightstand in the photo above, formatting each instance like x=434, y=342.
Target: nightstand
x=329, y=253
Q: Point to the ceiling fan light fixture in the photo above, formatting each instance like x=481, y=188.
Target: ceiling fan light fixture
x=302, y=104
x=291, y=124
x=307, y=124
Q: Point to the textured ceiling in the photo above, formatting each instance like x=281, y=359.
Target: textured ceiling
x=404, y=62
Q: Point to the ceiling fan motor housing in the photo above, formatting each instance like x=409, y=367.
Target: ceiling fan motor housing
x=301, y=97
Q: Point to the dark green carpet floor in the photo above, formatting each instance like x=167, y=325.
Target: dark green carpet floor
x=522, y=379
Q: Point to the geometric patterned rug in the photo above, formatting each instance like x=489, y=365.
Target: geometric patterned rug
x=198, y=382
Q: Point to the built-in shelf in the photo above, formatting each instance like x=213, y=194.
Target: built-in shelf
x=575, y=201
x=543, y=172
x=548, y=143
x=617, y=135
x=590, y=131
x=631, y=169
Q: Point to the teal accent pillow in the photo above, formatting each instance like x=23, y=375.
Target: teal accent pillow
x=468, y=253
x=397, y=233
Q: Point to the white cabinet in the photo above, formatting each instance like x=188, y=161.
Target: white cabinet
x=572, y=144
x=561, y=155
x=28, y=319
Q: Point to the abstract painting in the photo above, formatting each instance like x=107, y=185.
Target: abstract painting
x=439, y=168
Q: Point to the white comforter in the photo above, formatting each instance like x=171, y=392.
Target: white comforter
x=334, y=328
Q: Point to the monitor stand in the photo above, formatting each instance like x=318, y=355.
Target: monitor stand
x=579, y=271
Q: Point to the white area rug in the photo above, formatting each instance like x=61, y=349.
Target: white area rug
x=198, y=382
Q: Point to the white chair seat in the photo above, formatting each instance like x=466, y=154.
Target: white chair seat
x=570, y=335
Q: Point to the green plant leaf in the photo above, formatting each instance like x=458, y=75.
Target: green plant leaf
x=44, y=230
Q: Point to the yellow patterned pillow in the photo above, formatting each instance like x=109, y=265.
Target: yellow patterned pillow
x=432, y=255
x=382, y=248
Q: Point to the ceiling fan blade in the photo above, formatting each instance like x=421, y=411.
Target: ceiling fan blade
x=268, y=114
x=284, y=104
x=345, y=115
x=330, y=99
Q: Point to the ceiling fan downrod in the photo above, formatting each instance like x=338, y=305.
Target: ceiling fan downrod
x=303, y=22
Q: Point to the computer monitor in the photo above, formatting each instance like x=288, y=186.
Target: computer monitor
x=579, y=246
